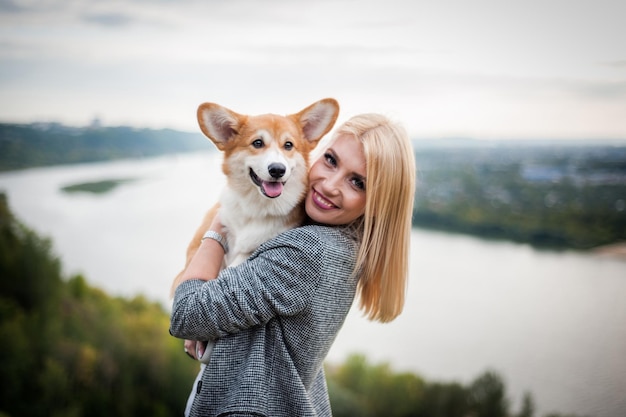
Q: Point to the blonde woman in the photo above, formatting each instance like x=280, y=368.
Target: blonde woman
x=276, y=315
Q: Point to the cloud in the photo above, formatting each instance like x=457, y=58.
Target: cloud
x=48, y=14
x=454, y=68
x=602, y=89
x=9, y=6
x=111, y=19
x=616, y=64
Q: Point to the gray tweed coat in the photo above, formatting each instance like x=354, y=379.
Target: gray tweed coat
x=275, y=317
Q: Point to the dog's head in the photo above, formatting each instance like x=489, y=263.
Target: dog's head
x=267, y=151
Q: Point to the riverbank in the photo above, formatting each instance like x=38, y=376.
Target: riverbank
x=615, y=250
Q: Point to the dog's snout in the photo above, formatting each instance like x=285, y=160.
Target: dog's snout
x=277, y=170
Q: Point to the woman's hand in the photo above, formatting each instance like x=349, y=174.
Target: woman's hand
x=193, y=349
x=190, y=348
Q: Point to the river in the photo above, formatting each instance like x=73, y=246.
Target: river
x=551, y=323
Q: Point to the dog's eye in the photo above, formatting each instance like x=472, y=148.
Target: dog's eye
x=288, y=146
x=258, y=143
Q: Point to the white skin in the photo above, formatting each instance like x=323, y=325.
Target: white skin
x=337, y=182
x=336, y=196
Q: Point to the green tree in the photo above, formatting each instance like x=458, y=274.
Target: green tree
x=528, y=406
x=376, y=388
x=443, y=400
x=487, y=396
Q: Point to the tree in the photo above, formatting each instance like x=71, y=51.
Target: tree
x=487, y=396
x=528, y=406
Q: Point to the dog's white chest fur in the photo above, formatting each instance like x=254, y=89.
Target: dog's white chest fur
x=246, y=229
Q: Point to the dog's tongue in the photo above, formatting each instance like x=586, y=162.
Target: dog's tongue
x=272, y=189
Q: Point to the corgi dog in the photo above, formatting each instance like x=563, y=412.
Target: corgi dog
x=266, y=164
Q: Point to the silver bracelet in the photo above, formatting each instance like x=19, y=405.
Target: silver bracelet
x=210, y=234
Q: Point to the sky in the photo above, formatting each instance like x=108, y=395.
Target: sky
x=481, y=69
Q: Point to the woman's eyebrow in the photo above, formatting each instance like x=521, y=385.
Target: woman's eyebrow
x=359, y=176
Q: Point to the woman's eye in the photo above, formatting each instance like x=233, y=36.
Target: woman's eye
x=330, y=159
x=358, y=183
x=258, y=143
x=288, y=146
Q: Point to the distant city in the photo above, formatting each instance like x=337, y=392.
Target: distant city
x=548, y=194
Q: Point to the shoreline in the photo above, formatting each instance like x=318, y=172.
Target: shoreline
x=613, y=250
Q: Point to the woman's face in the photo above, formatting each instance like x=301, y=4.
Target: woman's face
x=337, y=182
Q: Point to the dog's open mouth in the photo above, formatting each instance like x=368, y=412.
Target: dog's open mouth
x=271, y=189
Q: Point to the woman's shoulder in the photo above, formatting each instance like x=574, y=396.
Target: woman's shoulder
x=320, y=232
x=318, y=236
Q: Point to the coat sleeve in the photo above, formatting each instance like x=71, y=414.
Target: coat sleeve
x=279, y=279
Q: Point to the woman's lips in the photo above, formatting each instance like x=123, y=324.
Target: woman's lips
x=321, y=201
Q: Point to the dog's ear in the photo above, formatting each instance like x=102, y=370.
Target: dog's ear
x=317, y=119
x=219, y=123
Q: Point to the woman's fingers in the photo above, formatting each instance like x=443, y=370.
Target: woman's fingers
x=190, y=348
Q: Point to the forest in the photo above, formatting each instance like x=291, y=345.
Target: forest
x=548, y=194
x=69, y=349
x=43, y=144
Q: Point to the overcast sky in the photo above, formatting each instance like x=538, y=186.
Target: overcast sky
x=483, y=69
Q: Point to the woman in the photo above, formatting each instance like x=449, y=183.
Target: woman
x=277, y=314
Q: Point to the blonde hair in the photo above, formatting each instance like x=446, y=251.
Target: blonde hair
x=385, y=227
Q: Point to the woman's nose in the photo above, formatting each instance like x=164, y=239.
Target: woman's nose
x=331, y=185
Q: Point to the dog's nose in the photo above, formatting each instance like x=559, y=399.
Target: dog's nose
x=277, y=170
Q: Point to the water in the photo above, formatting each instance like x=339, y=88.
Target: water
x=550, y=323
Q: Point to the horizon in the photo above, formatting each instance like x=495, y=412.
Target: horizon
x=422, y=141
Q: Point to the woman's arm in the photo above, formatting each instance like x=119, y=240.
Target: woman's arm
x=205, y=265
x=279, y=279
x=207, y=261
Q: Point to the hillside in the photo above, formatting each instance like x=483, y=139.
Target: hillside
x=78, y=351
x=42, y=144
x=550, y=195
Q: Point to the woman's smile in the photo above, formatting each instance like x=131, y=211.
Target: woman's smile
x=321, y=201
